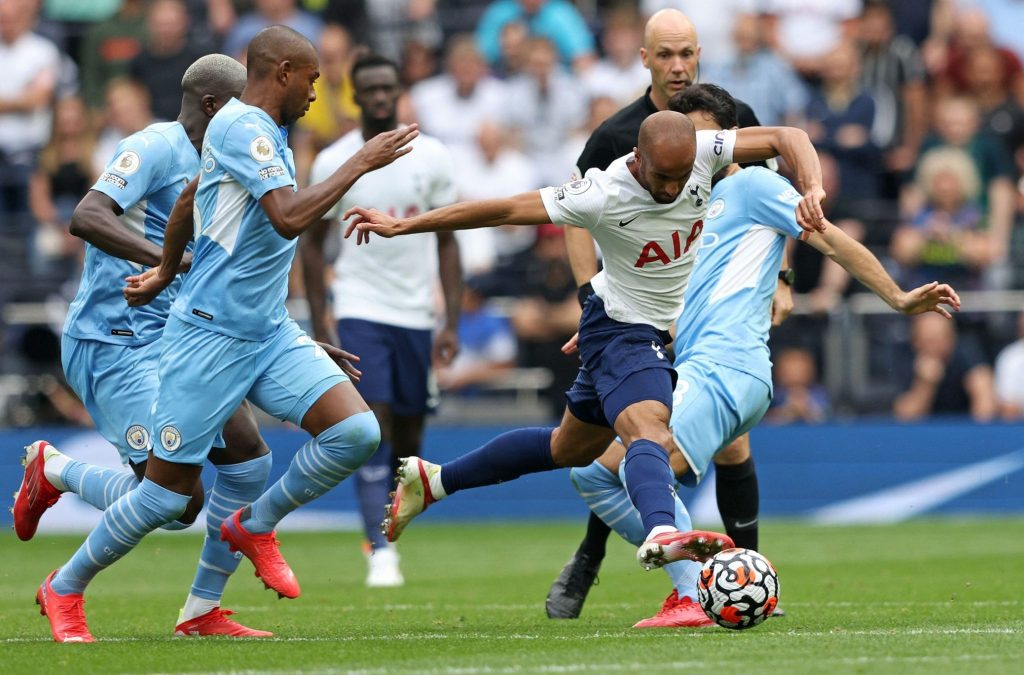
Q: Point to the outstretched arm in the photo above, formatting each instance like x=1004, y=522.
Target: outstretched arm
x=866, y=268
x=754, y=144
x=144, y=287
x=291, y=213
x=523, y=209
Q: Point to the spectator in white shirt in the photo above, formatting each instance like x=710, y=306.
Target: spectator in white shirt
x=452, y=106
x=620, y=75
x=492, y=169
x=548, y=104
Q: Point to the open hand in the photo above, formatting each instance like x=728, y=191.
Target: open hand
x=345, y=360
x=364, y=221
x=930, y=298
x=385, y=148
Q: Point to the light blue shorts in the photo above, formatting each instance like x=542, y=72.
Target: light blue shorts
x=117, y=384
x=204, y=376
x=712, y=406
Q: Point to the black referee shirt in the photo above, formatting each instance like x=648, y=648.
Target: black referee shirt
x=617, y=135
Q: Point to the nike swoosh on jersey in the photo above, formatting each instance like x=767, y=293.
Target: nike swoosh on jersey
x=623, y=223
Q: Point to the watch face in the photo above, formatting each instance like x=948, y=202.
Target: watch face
x=788, y=276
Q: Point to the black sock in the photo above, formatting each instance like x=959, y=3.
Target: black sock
x=738, y=500
x=597, y=537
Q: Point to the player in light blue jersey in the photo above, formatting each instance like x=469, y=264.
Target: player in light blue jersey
x=229, y=337
x=721, y=341
x=110, y=353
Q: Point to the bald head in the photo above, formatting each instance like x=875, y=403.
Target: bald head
x=665, y=152
x=668, y=24
x=273, y=46
x=668, y=133
x=283, y=66
x=671, y=53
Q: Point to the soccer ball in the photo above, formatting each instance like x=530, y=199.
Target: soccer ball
x=738, y=588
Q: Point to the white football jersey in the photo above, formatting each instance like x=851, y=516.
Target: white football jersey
x=391, y=281
x=649, y=248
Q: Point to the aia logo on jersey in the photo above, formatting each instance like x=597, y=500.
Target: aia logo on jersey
x=653, y=252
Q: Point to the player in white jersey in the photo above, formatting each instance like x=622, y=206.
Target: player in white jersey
x=721, y=341
x=646, y=211
x=383, y=296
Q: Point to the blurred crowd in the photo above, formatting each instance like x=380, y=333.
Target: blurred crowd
x=916, y=108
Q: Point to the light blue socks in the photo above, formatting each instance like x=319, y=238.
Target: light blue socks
x=236, y=486
x=123, y=526
x=318, y=466
x=605, y=494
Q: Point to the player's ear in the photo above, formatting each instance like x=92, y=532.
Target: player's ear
x=284, y=71
x=643, y=57
x=209, y=105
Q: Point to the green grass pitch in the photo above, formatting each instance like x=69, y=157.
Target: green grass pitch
x=933, y=596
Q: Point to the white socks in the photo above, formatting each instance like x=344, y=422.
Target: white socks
x=196, y=606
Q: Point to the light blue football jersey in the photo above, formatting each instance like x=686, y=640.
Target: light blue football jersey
x=239, y=277
x=727, y=313
x=148, y=172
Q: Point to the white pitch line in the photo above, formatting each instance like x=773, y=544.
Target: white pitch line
x=616, y=667
x=514, y=637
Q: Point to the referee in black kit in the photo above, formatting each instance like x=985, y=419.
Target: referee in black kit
x=672, y=54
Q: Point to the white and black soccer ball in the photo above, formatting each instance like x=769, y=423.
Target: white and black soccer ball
x=738, y=588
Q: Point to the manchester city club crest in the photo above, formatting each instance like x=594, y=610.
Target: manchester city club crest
x=170, y=438
x=261, y=149
x=137, y=437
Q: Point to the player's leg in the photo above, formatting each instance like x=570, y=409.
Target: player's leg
x=504, y=458
x=300, y=384
x=581, y=437
x=737, y=492
x=185, y=420
x=117, y=385
x=602, y=487
x=243, y=463
x=643, y=428
x=379, y=355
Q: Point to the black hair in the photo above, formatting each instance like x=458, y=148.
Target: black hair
x=372, y=61
x=709, y=98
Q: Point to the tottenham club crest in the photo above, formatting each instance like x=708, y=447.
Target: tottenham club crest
x=137, y=437
x=170, y=438
x=127, y=163
x=261, y=149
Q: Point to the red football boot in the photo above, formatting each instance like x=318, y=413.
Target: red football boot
x=36, y=493
x=66, y=613
x=677, y=612
x=216, y=622
x=670, y=547
x=262, y=550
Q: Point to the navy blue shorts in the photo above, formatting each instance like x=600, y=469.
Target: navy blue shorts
x=395, y=363
x=623, y=364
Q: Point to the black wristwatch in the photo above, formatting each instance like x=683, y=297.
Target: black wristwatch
x=787, y=276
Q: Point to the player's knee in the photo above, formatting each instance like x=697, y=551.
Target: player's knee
x=356, y=437
x=736, y=452
x=592, y=478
